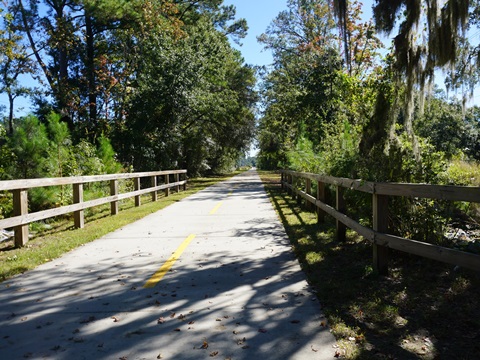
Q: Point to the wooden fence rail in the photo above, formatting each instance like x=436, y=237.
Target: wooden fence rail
x=378, y=236
x=19, y=222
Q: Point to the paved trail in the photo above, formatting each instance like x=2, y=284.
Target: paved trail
x=210, y=277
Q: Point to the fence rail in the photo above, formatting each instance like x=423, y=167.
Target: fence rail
x=19, y=222
x=378, y=236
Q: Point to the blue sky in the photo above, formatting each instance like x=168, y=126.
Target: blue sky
x=259, y=14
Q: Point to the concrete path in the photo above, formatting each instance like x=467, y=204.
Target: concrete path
x=210, y=277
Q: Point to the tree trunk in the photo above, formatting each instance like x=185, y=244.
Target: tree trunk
x=92, y=92
x=11, y=99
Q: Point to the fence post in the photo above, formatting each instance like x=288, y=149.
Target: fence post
x=167, y=181
x=177, y=179
x=113, y=192
x=20, y=207
x=78, y=216
x=185, y=185
x=294, y=187
x=282, y=178
x=308, y=189
x=154, y=184
x=320, y=197
x=136, y=185
x=380, y=224
x=341, y=228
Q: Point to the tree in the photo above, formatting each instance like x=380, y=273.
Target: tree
x=192, y=101
x=14, y=61
x=310, y=94
x=418, y=50
x=30, y=145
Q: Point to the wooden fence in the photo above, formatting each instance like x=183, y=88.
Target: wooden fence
x=300, y=184
x=19, y=222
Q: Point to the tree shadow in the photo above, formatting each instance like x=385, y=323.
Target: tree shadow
x=422, y=310
x=245, y=304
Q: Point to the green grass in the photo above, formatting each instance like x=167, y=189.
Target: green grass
x=52, y=241
x=422, y=310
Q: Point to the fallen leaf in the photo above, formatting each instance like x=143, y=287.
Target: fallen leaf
x=204, y=345
x=323, y=323
x=115, y=319
x=218, y=319
x=160, y=320
x=177, y=329
x=181, y=317
x=159, y=356
x=24, y=318
x=241, y=341
x=314, y=350
x=235, y=332
x=172, y=315
x=215, y=353
x=191, y=322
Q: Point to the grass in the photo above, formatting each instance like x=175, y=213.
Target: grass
x=422, y=310
x=52, y=241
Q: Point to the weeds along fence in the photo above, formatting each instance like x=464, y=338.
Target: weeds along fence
x=21, y=218
x=299, y=185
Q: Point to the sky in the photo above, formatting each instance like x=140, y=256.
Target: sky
x=259, y=14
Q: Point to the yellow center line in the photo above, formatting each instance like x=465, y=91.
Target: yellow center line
x=169, y=263
x=214, y=210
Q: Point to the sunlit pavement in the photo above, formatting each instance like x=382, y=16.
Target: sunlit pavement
x=210, y=277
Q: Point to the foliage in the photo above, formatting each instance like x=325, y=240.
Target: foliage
x=30, y=146
x=362, y=119
x=14, y=62
x=192, y=106
x=39, y=150
x=97, y=60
